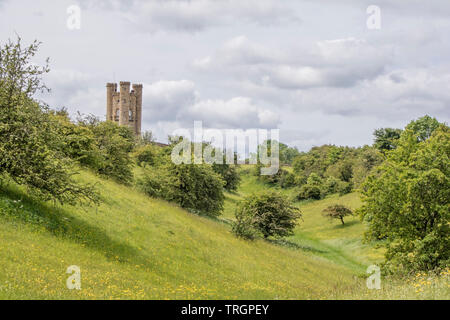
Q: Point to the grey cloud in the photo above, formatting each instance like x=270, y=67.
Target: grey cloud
x=196, y=15
x=249, y=64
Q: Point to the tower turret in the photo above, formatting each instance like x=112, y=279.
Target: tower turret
x=125, y=107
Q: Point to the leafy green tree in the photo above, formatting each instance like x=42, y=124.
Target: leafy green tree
x=196, y=187
x=146, y=138
x=229, y=174
x=145, y=155
x=287, y=154
x=31, y=148
x=79, y=142
x=337, y=211
x=269, y=214
x=423, y=127
x=406, y=202
x=312, y=189
x=386, y=138
x=114, y=144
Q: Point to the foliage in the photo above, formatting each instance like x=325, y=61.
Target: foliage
x=79, y=142
x=386, y=138
x=194, y=187
x=229, y=174
x=269, y=214
x=146, y=138
x=406, y=202
x=287, y=154
x=341, y=169
x=423, y=127
x=114, y=144
x=337, y=211
x=31, y=148
x=145, y=155
x=312, y=189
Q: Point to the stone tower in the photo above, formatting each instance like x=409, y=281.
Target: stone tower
x=124, y=107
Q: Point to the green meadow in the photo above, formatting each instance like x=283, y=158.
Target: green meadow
x=136, y=247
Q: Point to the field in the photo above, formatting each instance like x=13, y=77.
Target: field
x=135, y=247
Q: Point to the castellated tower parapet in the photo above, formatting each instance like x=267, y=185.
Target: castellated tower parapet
x=125, y=107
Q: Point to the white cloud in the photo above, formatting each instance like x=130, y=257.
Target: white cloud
x=163, y=100
x=238, y=112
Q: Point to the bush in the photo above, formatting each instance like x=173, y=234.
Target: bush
x=155, y=183
x=145, y=155
x=312, y=189
x=331, y=185
x=114, y=144
x=229, y=174
x=309, y=192
x=79, y=142
x=345, y=188
x=268, y=214
x=194, y=187
x=30, y=146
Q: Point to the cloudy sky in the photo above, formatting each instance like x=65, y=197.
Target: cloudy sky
x=311, y=68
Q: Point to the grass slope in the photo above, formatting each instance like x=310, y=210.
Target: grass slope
x=321, y=236
x=140, y=248
x=135, y=247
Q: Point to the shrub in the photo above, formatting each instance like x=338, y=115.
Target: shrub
x=30, y=146
x=331, y=185
x=268, y=214
x=115, y=144
x=155, y=183
x=145, y=155
x=194, y=187
x=309, y=192
x=79, y=142
x=345, y=188
x=312, y=189
x=229, y=174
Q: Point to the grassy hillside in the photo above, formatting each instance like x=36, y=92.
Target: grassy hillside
x=341, y=244
x=135, y=247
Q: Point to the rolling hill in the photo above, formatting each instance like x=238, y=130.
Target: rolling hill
x=135, y=247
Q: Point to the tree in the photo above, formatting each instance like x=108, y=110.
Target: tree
x=406, y=202
x=115, y=144
x=229, y=174
x=196, y=187
x=423, y=127
x=312, y=189
x=287, y=154
x=337, y=211
x=268, y=214
x=147, y=138
x=145, y=155
x=386, y=138
x=30, y=146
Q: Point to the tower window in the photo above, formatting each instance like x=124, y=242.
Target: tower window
x=130, y=115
